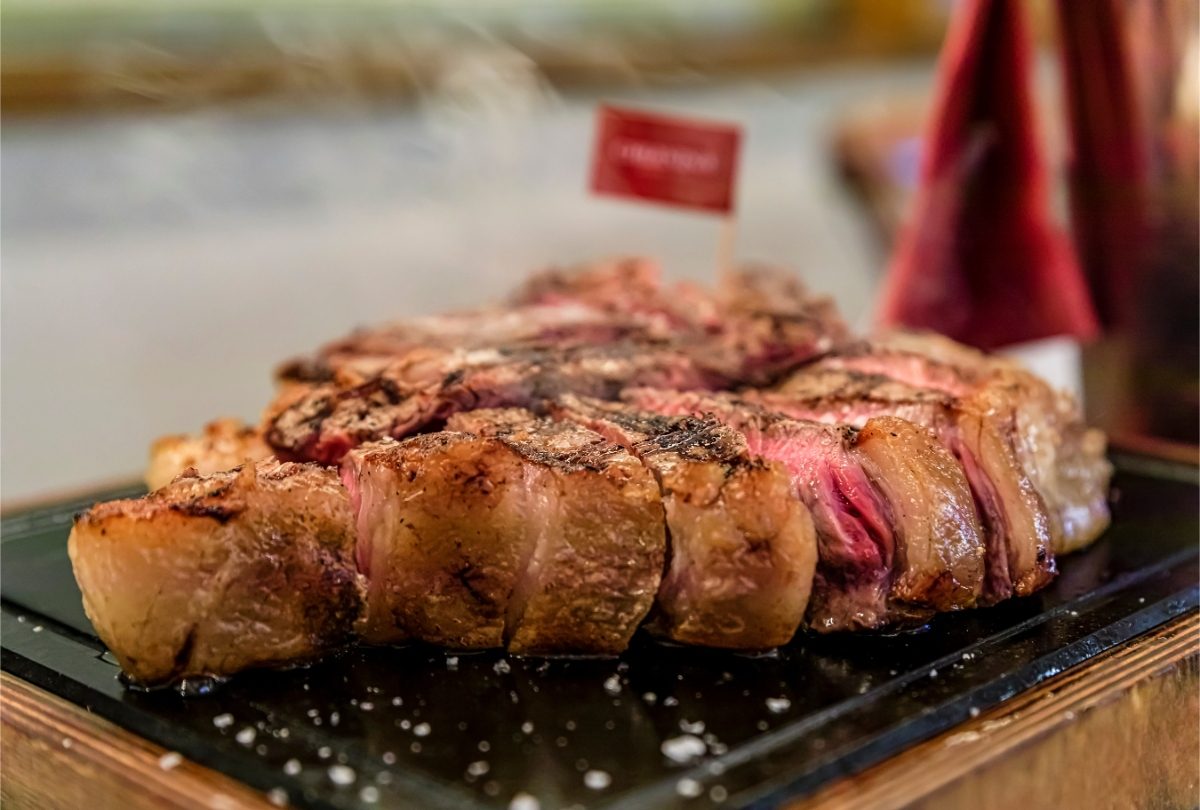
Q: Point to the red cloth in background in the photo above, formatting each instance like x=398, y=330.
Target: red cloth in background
x=981, y=259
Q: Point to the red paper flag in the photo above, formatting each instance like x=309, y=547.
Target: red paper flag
x=678, y=161
x=981, y=260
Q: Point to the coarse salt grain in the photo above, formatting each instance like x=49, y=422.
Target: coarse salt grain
x=684, y=748
x=597, y=780
x=778, y=705
x=688, y=788
x=523, y=801
x=342, y=774
x=170, y=760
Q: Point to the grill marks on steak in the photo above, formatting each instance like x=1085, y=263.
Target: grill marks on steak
x=323, y=423
x=897, y=531
x=507, y=529
x=408, y=379
x=209, y=575
x=741, y=546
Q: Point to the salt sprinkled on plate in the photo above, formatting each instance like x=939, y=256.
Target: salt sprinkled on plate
x=388, y=758
x=170, y=760
x=502, y=667
x=684, y=748
x=452, y=662
x=324, y=752
x=422, y=729
x=612, y=685
x=366, y=705
x=292, y=767
x=597, y=780
x=342, y=774
x=778, y=705
x=223, y=720
x=246, y=736
x=718, y=793
x=671, y=702
x=650, y=698
x=527, y=727
x=523, y=801
x=369, y=794
x=478, y=768
x=688, y=788
x=278, y=797
x=396, y=701
x=692, y=728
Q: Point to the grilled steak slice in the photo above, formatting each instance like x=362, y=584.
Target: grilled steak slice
x=223, y=445
x=897, y=532
x=210, y=575
x=741, y=546
x=1063, y=458
x=507, y=529
x=1016, y=525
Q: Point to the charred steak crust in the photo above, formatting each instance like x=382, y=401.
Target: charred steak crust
x=506, y=530
x=741, y=547
x=209, y=575
x=888, y=549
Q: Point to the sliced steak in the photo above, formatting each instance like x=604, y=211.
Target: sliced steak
x=897, y=531
x=221, y=446
x=1064, y=459
x=1015, y=521
x=507, y=529
x=209, y=575
x=741, y=546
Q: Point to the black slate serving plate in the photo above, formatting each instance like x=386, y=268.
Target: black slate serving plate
x=422, y=727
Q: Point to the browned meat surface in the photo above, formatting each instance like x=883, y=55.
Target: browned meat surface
x=1014, y=518
x=409, y=378
x=507, y=529
x=213, y=574
x=551, y=474
x=897, y=532
x=741, y=545
x=223, y=445
x=1064, y=459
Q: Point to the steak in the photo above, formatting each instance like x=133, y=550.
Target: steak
x=213, y=574
x=602, y=453
x=1014, y=518
x=1062, y=457
x=897, y=532
x=624, y=330
x=223, y=445
x=741, y=547
x=506, y=530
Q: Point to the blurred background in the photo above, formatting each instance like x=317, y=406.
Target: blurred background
x=194, y=191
